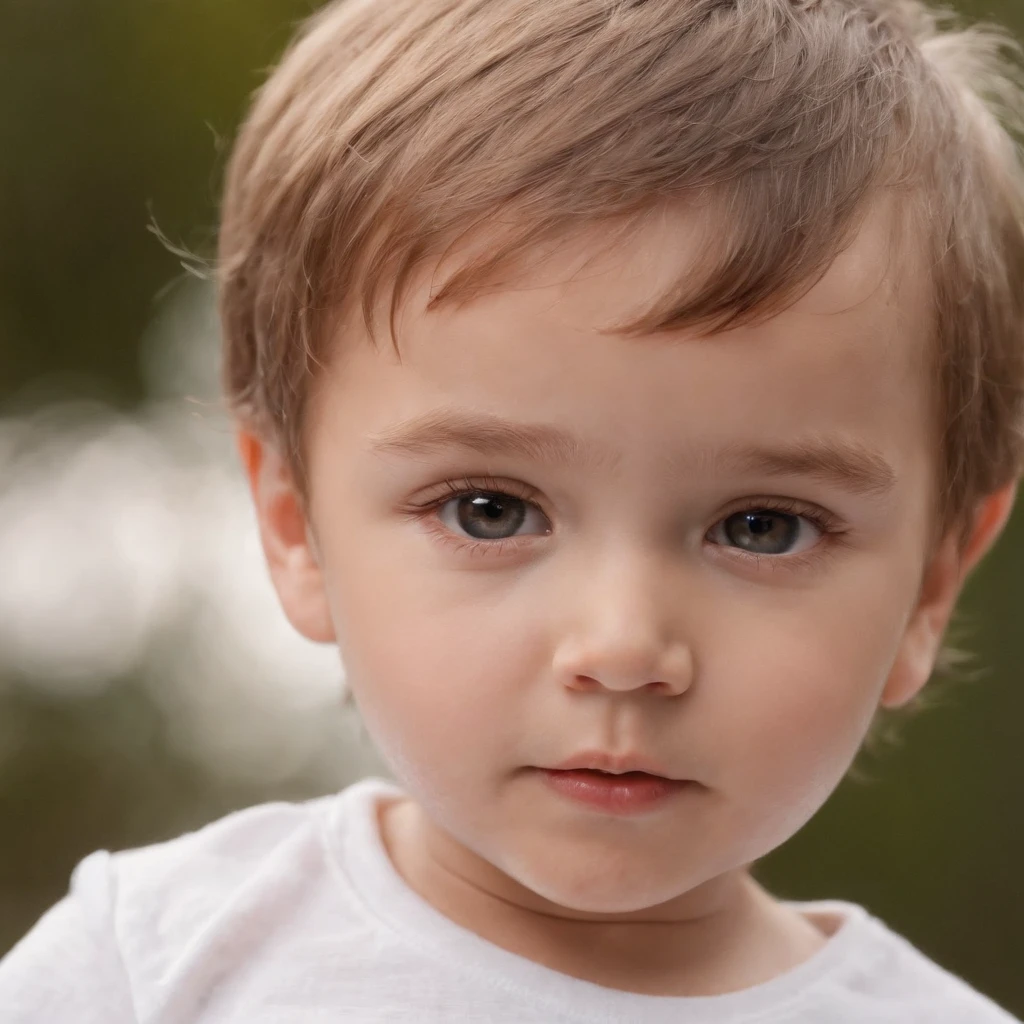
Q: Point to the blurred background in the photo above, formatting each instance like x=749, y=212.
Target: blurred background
x=148, y=680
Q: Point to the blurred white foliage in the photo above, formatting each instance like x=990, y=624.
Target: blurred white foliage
x=128, y=546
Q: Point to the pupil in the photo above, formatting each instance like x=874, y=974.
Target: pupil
x=491, y=517
x=763, y=532
x=493, y=509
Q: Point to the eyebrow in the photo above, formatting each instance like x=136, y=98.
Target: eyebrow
x=847, y=464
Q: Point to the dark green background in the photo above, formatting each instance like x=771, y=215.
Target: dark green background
x=113, y=111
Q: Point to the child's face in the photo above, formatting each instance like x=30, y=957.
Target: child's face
x=609, y=603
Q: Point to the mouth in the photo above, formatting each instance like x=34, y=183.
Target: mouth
x=616, y=765
x=600, y=773
x=629, y=792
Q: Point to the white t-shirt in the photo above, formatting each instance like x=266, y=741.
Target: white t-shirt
x=294, y=913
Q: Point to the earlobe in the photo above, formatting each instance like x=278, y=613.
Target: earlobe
x=950, y=565
x=287, y=539
x=919, y=646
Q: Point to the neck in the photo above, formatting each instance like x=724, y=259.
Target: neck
x=721, y=936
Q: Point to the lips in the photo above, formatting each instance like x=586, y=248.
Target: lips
x=623, y=793
x=612, y=764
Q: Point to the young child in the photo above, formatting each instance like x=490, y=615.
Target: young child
x=718, y=303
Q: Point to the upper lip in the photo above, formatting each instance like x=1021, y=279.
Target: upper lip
x=617, y=764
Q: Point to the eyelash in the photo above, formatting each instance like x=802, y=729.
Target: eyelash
x=828, y=524
x=464, y=488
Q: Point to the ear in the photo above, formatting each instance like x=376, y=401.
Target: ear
x=287, y=539
x=944, y=578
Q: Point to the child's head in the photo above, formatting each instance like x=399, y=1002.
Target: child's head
x=745, y=276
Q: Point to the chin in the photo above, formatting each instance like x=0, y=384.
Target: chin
x=587, y=886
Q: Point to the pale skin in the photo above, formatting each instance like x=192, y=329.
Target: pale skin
x=613, y=605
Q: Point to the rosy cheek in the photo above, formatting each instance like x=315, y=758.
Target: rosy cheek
x=793, y=734
x=416, y=676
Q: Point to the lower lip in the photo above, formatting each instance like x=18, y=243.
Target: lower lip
x=629, y=793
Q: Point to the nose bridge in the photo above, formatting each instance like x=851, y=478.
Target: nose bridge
x=623, y=626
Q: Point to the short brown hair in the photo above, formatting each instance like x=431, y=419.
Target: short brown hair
x=392, y=127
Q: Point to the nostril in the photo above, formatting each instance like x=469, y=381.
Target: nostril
x=585, y=683
x=660, y=686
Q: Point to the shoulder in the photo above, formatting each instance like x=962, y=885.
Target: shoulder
x=222, y=851
x=181, y=913
x=132, y=920
x=902, y=975
x=164, y=898
x=166, y=892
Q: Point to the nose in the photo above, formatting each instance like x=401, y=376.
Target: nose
x=622, y=629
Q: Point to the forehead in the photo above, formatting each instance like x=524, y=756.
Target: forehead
x=848, y=359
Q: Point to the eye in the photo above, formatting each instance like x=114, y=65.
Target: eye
x=766, y=531
x=487, y=515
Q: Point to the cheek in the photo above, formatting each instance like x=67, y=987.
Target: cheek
x=441, y=669
x=794, y=701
